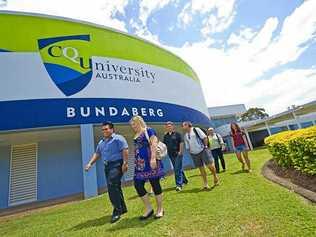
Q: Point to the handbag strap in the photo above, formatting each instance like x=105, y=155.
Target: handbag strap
x=147, y=136
x=148, y=139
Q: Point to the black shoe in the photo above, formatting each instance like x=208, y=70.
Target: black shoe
x=142, y=218
x=115, y=218
x=124, y=211
x=185, y=182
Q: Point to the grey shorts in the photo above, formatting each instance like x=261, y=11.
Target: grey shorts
x=203, y=158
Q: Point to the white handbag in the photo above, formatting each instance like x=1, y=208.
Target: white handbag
x=161, y=151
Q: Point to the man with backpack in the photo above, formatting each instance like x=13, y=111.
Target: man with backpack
x=196, y=142
x=217, y=146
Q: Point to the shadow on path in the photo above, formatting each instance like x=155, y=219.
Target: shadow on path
x=91, y=223
x=196, y=190
x=132, y=197
x=124, y=223
x=239, y=172
x=194, y=175
x=127, y=223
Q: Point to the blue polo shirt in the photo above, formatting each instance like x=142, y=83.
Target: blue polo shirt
x=110, y=149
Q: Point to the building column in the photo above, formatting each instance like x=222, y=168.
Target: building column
x=267, y=127
x=90, y=184
x=249, y=140
x=296, y=120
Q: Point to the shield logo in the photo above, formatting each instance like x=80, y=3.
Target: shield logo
x=67, y=61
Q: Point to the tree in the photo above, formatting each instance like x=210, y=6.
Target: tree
x=253, y=114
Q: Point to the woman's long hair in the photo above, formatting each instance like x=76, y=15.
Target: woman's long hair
x=138, y=119
x=233, y=130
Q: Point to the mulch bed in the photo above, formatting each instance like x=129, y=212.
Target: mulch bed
x=294, y=176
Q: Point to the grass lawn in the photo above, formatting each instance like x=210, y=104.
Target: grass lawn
x=243, y=205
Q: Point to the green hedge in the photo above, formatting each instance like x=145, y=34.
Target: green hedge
x=295, y=149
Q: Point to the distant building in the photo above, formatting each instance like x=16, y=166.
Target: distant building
x=222, y=116
x=295, y=117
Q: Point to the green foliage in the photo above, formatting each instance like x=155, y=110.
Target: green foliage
x=295, y=149
x=254, y=114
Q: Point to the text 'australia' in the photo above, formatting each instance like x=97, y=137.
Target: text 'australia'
x=113, y=71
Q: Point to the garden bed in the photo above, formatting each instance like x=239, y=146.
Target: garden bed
x=295, y=176
x=303, y=184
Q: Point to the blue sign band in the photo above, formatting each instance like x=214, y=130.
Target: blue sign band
x=39, y=113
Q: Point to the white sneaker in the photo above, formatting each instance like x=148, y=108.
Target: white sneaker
x=178, y=189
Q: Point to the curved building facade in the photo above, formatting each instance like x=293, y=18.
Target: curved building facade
x=60, y=79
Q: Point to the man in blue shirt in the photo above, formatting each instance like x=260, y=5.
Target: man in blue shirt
x=113, y=150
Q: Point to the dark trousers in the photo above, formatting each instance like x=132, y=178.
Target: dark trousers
x=140, y=186
x=179, y=175
x=113, y=174
x=218, y=155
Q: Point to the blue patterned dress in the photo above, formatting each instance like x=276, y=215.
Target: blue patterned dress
x=143, y=171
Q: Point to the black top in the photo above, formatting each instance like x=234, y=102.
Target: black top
x=172, y=142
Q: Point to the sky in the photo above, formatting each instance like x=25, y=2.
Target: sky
x=259, y=53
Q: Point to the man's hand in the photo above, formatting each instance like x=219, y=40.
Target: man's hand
x=153, y=164
x=92, y=161
x=180, y=154
x=88, y=166
x=124, y=167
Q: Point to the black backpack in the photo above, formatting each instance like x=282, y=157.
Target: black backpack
x=198, y=136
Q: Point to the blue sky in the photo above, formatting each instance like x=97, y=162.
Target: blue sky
x=261, y=53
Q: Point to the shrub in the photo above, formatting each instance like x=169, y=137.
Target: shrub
x=295, y=149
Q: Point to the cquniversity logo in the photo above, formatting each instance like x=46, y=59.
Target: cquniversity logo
x=67, y=61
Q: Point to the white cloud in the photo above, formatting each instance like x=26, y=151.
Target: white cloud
x=218, y=14
x=143, y=32
x=293, y=86
x=185, y=18
x=147, y=7
x=244, y=36
x=231, y=76
x=3, y=3
x=96, y=11
x=297, y=30
x=249, y=51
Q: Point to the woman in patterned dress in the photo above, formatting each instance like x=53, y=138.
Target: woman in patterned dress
x=147, y=167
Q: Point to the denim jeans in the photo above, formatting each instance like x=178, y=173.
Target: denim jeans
x=178, y=170
x=113, y=174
